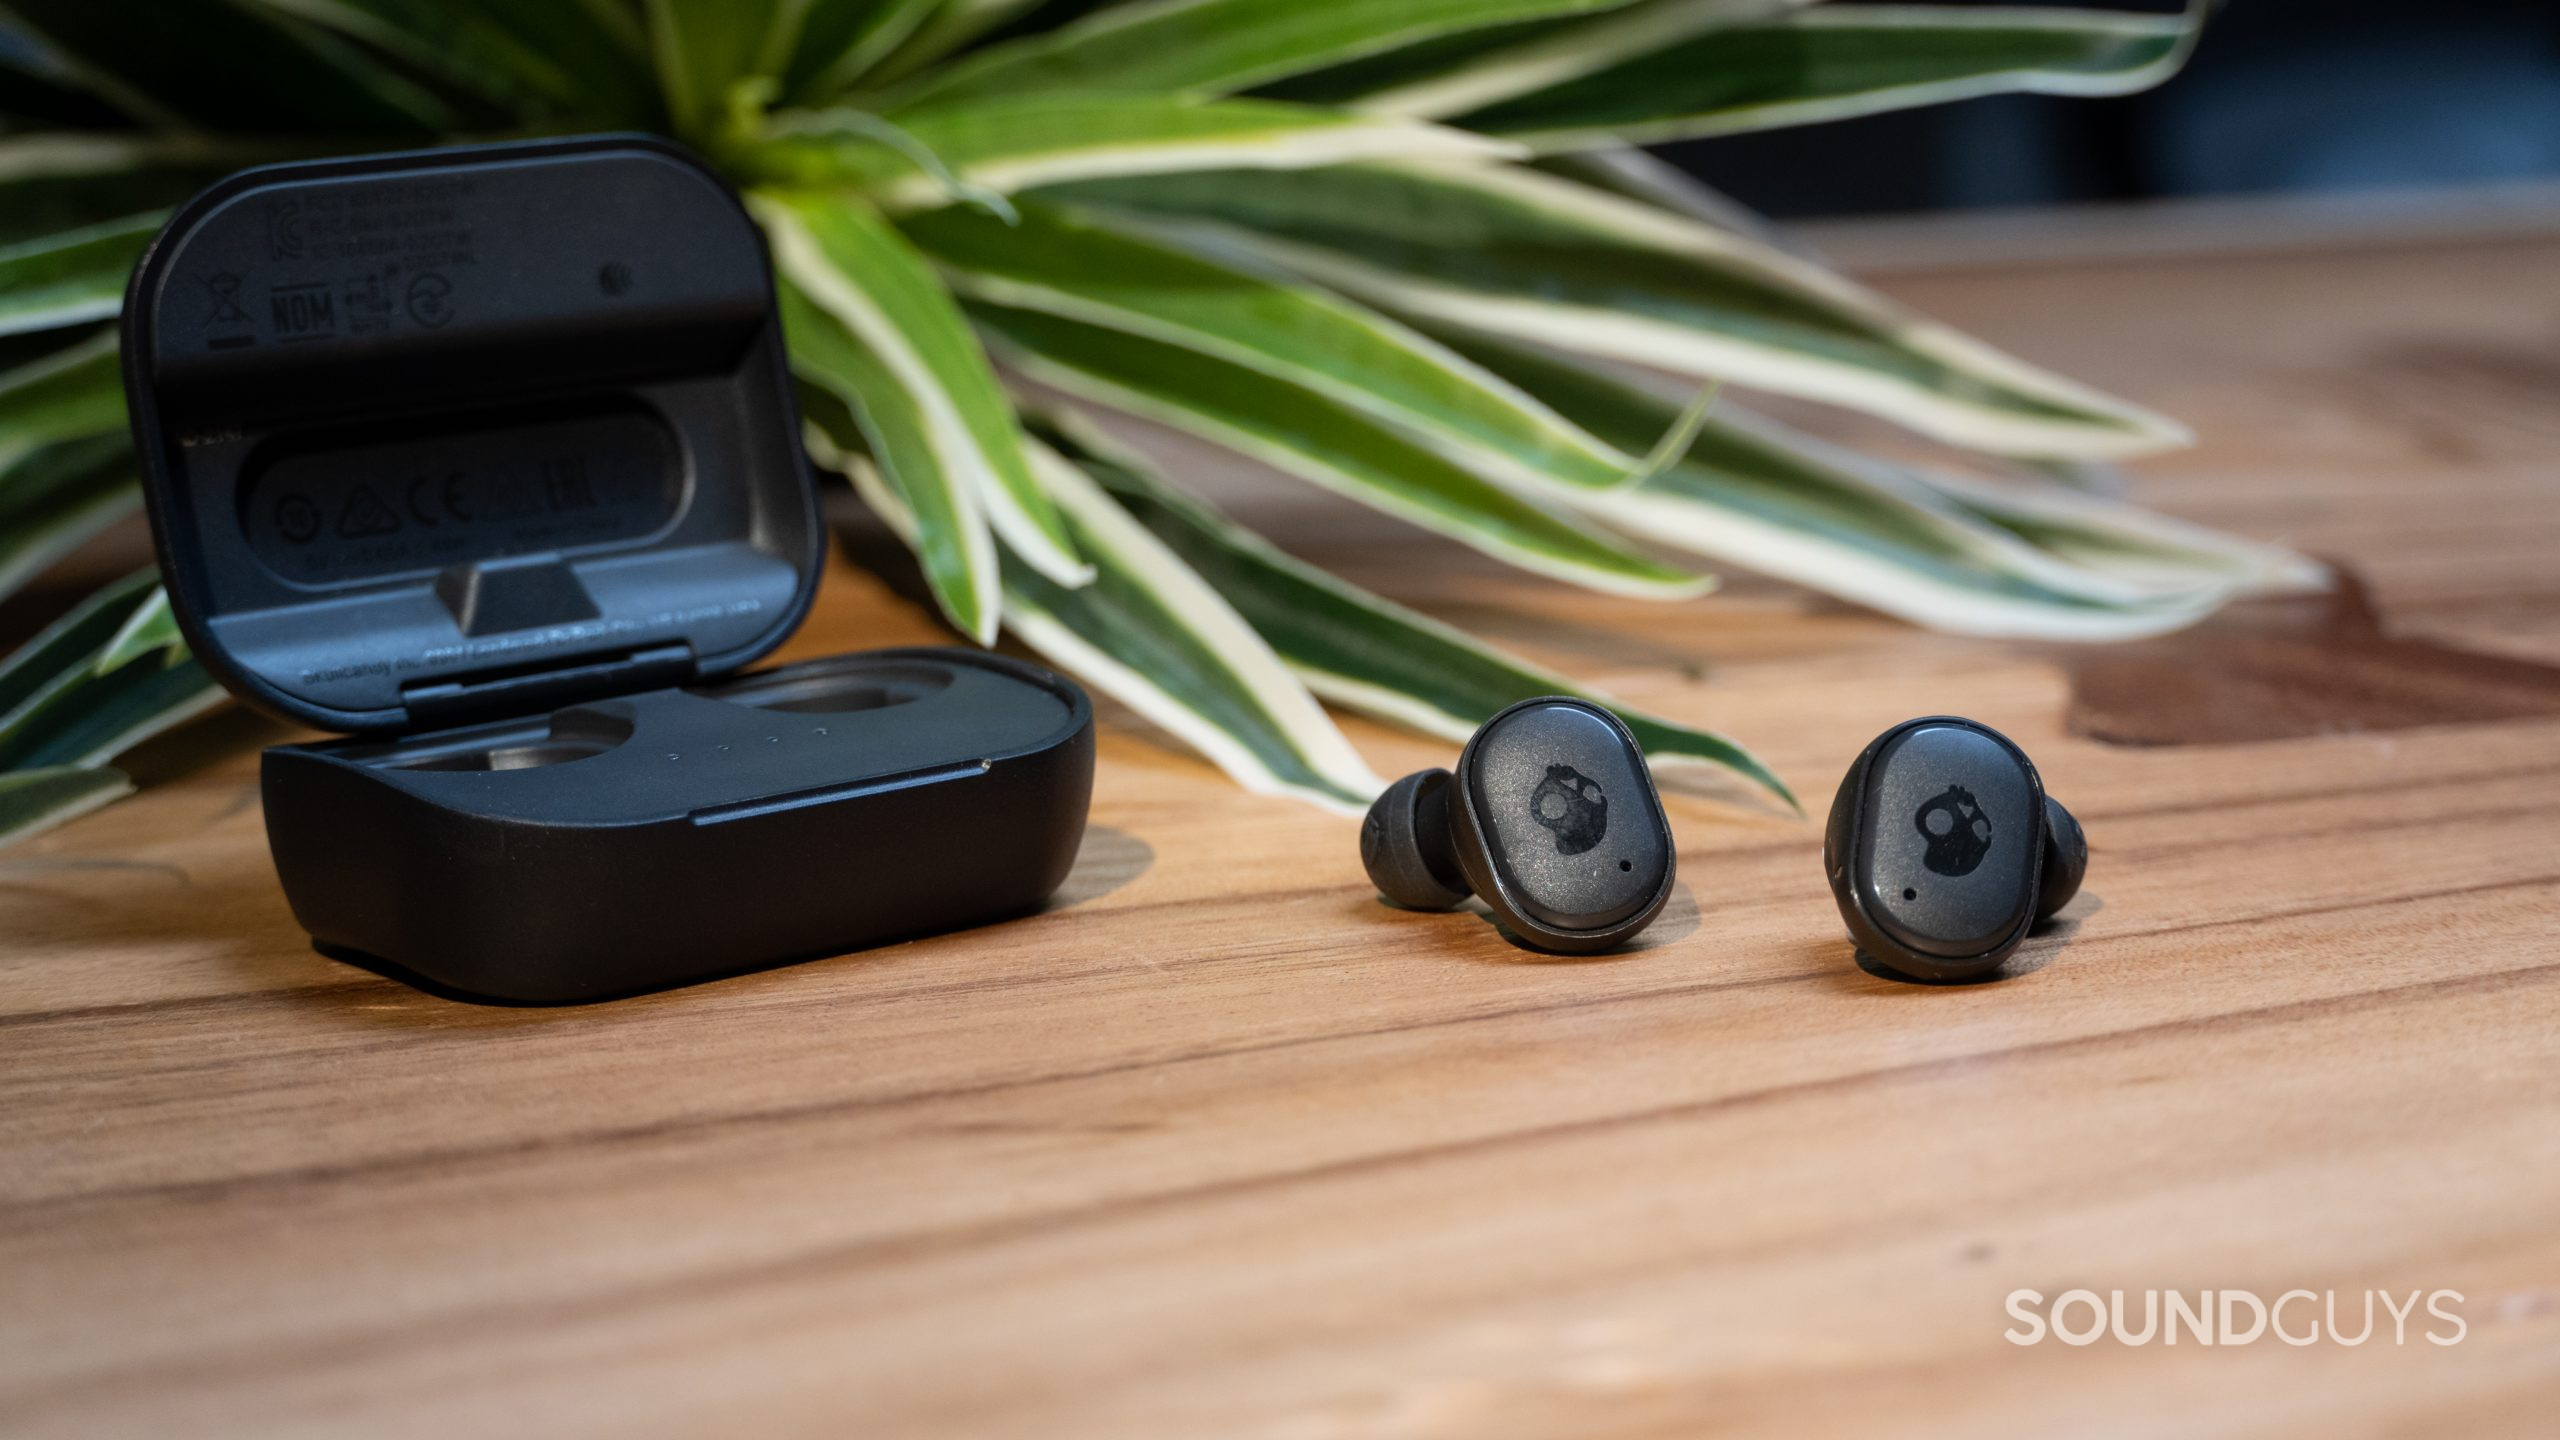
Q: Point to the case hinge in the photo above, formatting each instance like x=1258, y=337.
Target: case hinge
x=523, y=690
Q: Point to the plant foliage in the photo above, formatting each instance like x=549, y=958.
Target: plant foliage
x=1397, y=249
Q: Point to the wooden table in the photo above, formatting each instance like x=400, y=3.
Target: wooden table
x=1221, y=1146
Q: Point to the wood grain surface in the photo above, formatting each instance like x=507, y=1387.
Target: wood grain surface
x=1219, y=1146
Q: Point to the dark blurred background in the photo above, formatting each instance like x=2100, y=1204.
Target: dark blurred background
x=2283, y=96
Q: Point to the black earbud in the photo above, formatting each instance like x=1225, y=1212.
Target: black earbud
x=1551, y=817
x=1944, y=851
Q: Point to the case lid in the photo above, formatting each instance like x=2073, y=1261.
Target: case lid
x=446, y=436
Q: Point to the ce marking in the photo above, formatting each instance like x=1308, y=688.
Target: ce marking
x=418, y=512
x=453, y=498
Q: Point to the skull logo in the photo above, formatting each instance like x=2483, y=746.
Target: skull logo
x=1567, y=803
x=1959, y=834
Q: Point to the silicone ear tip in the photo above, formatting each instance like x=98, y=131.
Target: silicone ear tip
x=2066, y=859
x=1406, y=846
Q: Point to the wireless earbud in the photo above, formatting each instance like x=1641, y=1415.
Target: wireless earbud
x=1944, y=851
x=1551, y=817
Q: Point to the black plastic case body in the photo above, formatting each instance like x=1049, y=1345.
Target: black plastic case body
x=632, y=843
x=489, y=457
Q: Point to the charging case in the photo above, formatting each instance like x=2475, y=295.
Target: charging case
x=487, y=459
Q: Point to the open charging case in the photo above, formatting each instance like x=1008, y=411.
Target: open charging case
x=488, y=459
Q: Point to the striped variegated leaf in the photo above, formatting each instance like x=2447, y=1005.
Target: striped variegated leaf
x=558, y=57
x=1453, y=74
x=703, y=50
x=34, y=801
x=70, y=645
x=70, y=394
x=1725, y=75
x=57, y=498
x=1367, y=653
x=947, y=26
x=1305, y=434
x=70, y=642
x=1637, y=175
x=2138, y=545
x=38, y=91
x=1335, y=276
x=1215, y=47
x=1006, y=145
x=951, y=540
x=50, y=183
x=1754, y=494
x=852, y=265
x=837, y=42
x=1678, y=69
x=1153, y=635
x=98, y=681
x=1516, y=252
x=104, y=715
x=228, y=67
x=70, y=277
x=151, y=629
x=1059, y=263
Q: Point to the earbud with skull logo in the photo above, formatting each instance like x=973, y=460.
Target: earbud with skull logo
x=1550, y=817
x=1959, y=834
x=1944, y=851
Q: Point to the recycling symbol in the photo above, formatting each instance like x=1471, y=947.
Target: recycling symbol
x=366, y=515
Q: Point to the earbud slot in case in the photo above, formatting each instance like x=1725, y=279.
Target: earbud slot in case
x=488, y=458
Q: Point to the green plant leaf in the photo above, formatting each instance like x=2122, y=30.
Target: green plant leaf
x=1448, y=74
x=951, y=25
x=74, y=392
x=229, y=67
x=1638, y=176
x=852, y=265
x=1511, y=251
x=70, y=644
x=1213, y=47
x=703, y=49
x=2138, y=545
x=1154, y=636
x=102, y=716
x=151, y=629
x=839, y=41
x=62, y=704
x=38, y=91
x=56, y=182
x=1158, y=638
x=1062, y=264
x=57, y=498
x=556, y=57
x=1307, y=435
x=952, y=543
x=1367, y=653
x=1009, y=145
x=73, y=277
x=1755, y=494
x=34, y=801
x=1199, y=259
x=1654, y=84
